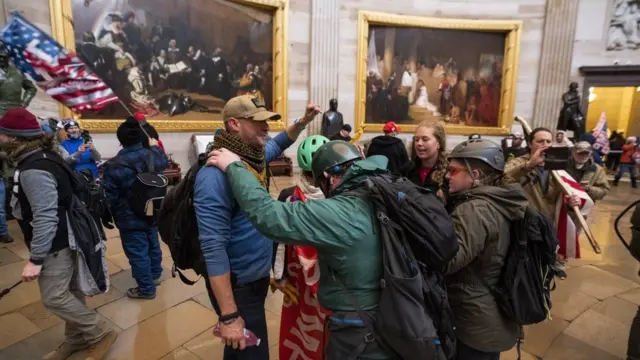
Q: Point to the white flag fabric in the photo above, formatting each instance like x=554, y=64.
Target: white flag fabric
x=568, y=231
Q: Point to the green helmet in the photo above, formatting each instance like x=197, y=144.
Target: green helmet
x=331, y=154
x=480, y=149
x=309, y=147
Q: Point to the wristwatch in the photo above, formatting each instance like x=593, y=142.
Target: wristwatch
x=297, y=122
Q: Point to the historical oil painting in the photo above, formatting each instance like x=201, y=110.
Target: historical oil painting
x=435, y=73
x=177, y=60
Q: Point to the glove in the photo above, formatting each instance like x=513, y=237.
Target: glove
x=290, y=292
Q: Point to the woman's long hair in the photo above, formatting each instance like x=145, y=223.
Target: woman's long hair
x=440, y=134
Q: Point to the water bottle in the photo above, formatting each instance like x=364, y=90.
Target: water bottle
x=249, y=337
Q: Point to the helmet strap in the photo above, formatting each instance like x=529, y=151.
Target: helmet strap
x=475, y=182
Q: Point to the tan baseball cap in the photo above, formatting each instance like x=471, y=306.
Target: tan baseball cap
x=247, y=107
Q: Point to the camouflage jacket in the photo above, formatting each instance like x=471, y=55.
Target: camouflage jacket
x=12, y=82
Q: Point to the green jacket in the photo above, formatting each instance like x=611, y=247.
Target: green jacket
x=481, y=218
x=341, y=228
x=11, y=86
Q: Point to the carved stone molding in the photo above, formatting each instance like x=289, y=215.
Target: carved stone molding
x=624, y=33
x=555, y=60
x=325, y=17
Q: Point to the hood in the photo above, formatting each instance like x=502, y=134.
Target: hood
x=362, y=169
x=386, y=140
x=508, y=199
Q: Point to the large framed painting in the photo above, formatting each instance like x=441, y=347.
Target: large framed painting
x=177, y=61
x=414, y=69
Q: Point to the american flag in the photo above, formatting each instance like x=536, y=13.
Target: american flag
x=56, y=70
x=600, y=133
x=568, y=231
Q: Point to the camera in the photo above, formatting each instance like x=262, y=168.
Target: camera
x=86, y=136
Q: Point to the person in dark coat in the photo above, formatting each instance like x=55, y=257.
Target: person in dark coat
x=392, y=148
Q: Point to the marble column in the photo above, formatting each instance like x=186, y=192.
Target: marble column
x=324, y=68
x=389, y=50
x=555, y=61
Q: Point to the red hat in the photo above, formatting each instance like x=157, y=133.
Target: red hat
x=139, y=116
x=390, y=127
x=19, y=122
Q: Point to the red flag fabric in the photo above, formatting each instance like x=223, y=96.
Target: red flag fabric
x=56, y=70
x=568, y=231
x=302, y=324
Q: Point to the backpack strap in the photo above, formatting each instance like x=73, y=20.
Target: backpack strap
x=370, y=337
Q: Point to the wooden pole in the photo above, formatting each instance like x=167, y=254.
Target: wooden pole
x=592, y=240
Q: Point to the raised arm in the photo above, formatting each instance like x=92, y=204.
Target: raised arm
x=321, y=223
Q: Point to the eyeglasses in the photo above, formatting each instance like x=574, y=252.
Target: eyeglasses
x=454, y=170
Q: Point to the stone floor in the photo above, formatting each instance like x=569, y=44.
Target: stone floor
x=592, y=309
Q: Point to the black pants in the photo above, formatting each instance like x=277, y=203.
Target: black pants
x=250, y=300
x=468, y=353
x=633, y=349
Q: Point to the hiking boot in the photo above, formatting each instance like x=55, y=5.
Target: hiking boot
x=6, y=239
x=98, y=350
x=561, y=274
x=134, y=293
x=64, y=351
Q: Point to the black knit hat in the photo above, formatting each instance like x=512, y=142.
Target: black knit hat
x=129, y=132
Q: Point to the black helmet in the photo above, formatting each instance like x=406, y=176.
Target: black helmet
x=332, y=154
x=480, y=149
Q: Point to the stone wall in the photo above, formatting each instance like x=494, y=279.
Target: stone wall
x=590, y=46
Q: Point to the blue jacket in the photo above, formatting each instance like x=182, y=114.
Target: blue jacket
x=86, y=159
x=118, y=181
x=228, y=240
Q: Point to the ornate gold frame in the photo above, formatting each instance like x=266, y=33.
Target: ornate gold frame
x=512, y=28
x=61, y=17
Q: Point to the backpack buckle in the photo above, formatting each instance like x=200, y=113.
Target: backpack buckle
x=369, y=338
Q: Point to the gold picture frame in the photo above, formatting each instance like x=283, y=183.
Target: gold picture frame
x=62, y=28
x=512, y=30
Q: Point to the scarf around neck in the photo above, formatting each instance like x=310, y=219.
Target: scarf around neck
x=250, y=156
x=311, y=192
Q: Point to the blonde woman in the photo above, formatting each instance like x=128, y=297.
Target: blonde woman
x=429, y=162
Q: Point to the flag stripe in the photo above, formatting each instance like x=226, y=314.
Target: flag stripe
x=56, y=70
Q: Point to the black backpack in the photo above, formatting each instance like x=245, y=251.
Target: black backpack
x=148, y=191
x=523, y=292
x=178, y=227
x=414, y=320
x=88, y=238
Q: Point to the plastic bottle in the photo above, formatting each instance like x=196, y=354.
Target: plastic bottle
x=249, y=337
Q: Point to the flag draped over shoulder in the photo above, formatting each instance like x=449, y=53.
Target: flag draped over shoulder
x=56, y=70
x=600, y=133
x=568, y=231
x=302, y=324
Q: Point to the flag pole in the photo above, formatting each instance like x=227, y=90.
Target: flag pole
x=592, y=240
x=129, y=111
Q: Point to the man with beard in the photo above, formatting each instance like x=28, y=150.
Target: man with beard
x=590, y=175
x=114, y=37
x=42, y=197
x=237, y=256
x=516, y=149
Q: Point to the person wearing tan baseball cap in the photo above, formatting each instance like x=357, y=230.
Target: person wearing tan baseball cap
x=584, y=170
x=237, y=256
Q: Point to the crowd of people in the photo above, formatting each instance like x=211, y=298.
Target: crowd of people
x=141, y=64
x=250, y=242
x=459, y=96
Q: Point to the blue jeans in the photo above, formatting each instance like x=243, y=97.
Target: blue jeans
x=3, y=218
x=145, y=257
x=624, y=168
x=250, y=302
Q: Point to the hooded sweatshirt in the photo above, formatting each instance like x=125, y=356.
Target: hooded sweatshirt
x=481, y=218
x=394, y=150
